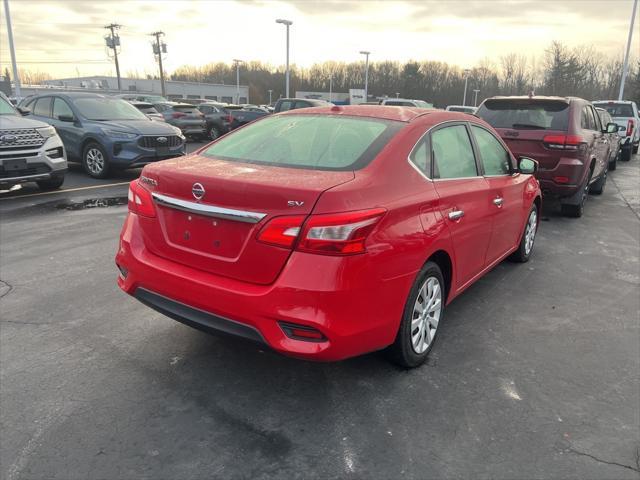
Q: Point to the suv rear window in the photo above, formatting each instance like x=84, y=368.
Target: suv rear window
x=320, y=142
x=185, y=108
x=617, y=109
x=525, y=114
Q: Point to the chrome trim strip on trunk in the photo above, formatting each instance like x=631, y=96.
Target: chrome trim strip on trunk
x=208, y=210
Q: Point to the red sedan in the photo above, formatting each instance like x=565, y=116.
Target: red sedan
x=329, y=232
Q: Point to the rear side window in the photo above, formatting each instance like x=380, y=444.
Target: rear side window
x=147, y=109
x=618, y=109
x=43, y=107
x=61, y=108
x=286, y=105
x=421, y=156
x=586, y=119
x=319, y=142
x=495, y=159
x=452, y=153
x=185, y=108
x=525, y=114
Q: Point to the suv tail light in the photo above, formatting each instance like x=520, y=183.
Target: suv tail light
x=629, y=127
x=178, y=114
x=330, y=234
x=563, y=142
x=140, y=200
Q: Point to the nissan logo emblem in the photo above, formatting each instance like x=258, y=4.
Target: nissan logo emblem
x=198, y=191
x=8, y=139
x=161, y=139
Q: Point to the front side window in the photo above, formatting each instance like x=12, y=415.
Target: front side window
x=43, y=107
x=452, y=153
x=6, y=108
x=320, y=142
x=495, y=159
x=61, y=108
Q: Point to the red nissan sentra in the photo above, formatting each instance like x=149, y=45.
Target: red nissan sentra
x=329, y=232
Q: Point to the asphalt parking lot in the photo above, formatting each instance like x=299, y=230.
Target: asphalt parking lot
x=535, y=374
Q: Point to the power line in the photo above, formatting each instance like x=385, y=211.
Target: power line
x=113, y=43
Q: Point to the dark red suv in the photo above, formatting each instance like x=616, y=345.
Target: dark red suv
x=566, y=137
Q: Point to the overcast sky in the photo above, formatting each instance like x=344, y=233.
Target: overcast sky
x=68, y=34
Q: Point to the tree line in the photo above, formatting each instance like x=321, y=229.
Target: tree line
x=560, y=70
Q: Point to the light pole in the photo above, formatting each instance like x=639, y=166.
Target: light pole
x=475, y=99
x=366, y=74
x=287, y=23
x=397, y=94
x=270, y=92
x=466, y=79
x=625, y=68
x=14, y=65
x=237, y=63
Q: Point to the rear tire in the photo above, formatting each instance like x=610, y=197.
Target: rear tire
x=213, y=133
x=574, y=206
x=597, y=187
x=625, y=153
x=525, y=248
x=95, y=161
x=423, y=314
x=52, y=183
x=635, y=148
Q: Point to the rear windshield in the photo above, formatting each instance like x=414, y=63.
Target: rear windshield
x=319, y=142
x=525, y=114
x=147, y=108
x=462, y=109
x=184, y=108
x=617, y=109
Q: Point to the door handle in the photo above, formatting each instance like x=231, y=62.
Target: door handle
x=456, y=215
x=498, y=201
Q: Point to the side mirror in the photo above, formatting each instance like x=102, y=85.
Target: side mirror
x=66, y=118
x=612, y=128
x=527, y=165
x=23, y=111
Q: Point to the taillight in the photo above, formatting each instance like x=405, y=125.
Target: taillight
x=629, y=127
x=340, y=233
x=281, y=231
x=140, y=200
x=229, y=118
x=563, y=142
x=178, y=114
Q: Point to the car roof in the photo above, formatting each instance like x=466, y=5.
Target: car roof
x=541, y=98
x=401, y=114
x=629, y=102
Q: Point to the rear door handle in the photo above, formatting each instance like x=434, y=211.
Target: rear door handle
x=498, y=201
x=456, y=214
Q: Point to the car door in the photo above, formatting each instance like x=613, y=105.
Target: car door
x=464, y=198
x=506, y=192
x=593, y=138
x=70, y=131
x=601, y=144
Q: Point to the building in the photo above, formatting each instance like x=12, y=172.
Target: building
x=174, y=90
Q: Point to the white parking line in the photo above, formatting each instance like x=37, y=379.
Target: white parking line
x=66, y=190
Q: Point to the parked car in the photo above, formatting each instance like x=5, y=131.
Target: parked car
x=217, y=118
x=142, y=97
x=248, y=107
x=615, y=140
x=105, y=133
x=461, y=108
x=241, y=115
x=306, y=231
x=30, y=151
x=625, y=115
x=405, y=102
x=284, y=104
x=148, y=109
x=184, y=116
x=564, y=134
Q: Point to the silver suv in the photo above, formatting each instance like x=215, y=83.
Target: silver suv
x=30, y=151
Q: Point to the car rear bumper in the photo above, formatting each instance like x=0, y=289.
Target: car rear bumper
x=355, y=315
x=564, y=179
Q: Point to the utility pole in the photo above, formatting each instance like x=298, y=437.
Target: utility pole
x=113, y=43
x=331, y=88
x=237, y=63
x=286, y=23
x=14, y=65
x=475, y=99
x=158, y=50
x=466, y=79
x=625, y=68
x=366, y=74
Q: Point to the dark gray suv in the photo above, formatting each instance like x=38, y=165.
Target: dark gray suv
x=105, y=133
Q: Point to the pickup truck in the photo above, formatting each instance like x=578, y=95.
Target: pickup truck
x=625, y=115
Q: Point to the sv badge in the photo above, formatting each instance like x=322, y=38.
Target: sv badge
x=295, y=203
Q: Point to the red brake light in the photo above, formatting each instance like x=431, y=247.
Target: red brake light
x=629, y=127
x=281, y=231
x=140, y=200
x=561, y=179
x=178, y=114
x=229, y=118
x=563, y=142
x=340, y=233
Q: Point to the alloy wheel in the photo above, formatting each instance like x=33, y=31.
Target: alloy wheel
x=95, y=161
x=426, y=315
x=530, y=231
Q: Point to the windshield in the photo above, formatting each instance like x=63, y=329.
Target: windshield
x=102, y=109
x=525, y=114
x=6, y=108
x=617, y=109
x=307, y=141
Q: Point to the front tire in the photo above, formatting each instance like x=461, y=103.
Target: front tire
x=94, y=160
x=52, y=183
x=635, y=148
x=525, y=248
x=423, y=313
x=613, y=164
x=213, y=133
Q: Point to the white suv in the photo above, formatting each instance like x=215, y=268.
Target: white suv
x=30, y=151
x=625, y=114
x=406, y=102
